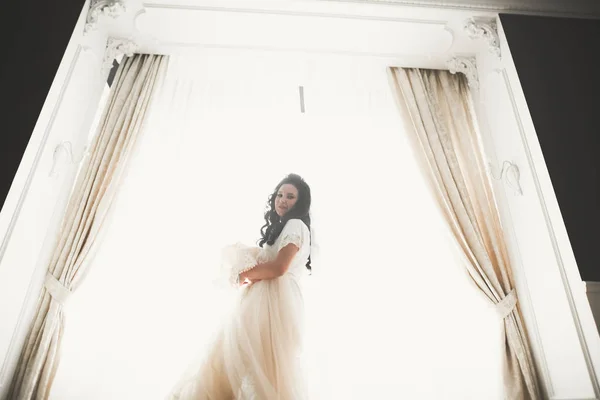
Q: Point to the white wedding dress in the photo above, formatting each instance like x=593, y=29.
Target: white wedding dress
x=256, y=354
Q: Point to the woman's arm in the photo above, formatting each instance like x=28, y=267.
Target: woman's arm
x=272, y=269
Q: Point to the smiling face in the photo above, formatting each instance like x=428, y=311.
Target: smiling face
x=286, y=198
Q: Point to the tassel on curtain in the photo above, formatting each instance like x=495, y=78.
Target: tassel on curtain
x=447, y=144
x=97, y=183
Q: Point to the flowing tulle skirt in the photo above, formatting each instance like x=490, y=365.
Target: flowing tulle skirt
x=256, y=354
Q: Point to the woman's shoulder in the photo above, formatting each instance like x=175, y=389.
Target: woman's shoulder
x=294, y=231
x=295, y=224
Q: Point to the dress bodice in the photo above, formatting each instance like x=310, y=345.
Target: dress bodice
x=238, y=257
x=295, y=231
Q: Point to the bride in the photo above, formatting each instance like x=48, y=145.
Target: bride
x=256, y=354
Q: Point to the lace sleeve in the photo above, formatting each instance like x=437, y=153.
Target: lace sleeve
x=294, y=238
x=294, y=232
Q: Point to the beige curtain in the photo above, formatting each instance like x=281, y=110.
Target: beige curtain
x=448, y=147
x=90, y=201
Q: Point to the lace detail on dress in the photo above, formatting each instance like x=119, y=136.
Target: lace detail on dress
x=247, y=391
x=290, y=238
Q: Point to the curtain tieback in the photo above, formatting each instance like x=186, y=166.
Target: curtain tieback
x=507, y=304
x=57, y=290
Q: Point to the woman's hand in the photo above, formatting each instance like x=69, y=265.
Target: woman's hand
x=270, y=269
x=245, y=281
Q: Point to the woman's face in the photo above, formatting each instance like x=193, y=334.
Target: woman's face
x=286, y=198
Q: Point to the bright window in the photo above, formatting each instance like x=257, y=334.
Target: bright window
x=390, y=312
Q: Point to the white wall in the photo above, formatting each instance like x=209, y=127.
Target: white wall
x=33, y=209
x=551, y=293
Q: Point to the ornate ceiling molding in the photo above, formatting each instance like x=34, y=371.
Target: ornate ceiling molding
x=466, y=66
x=114, y=48
x=107, y=8
x=486, y=29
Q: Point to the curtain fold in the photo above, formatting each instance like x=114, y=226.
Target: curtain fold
x=95, y=188
x=447, y=144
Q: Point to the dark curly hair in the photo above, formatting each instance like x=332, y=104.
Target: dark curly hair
x=274, y=223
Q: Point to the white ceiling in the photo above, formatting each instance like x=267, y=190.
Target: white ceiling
x=400, y=34
x=423, y=33
x=578, y=8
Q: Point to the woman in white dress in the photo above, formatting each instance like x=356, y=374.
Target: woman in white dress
x=256, y=354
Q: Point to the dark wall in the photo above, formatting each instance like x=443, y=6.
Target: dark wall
x=35, y=36
x=556, y=59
